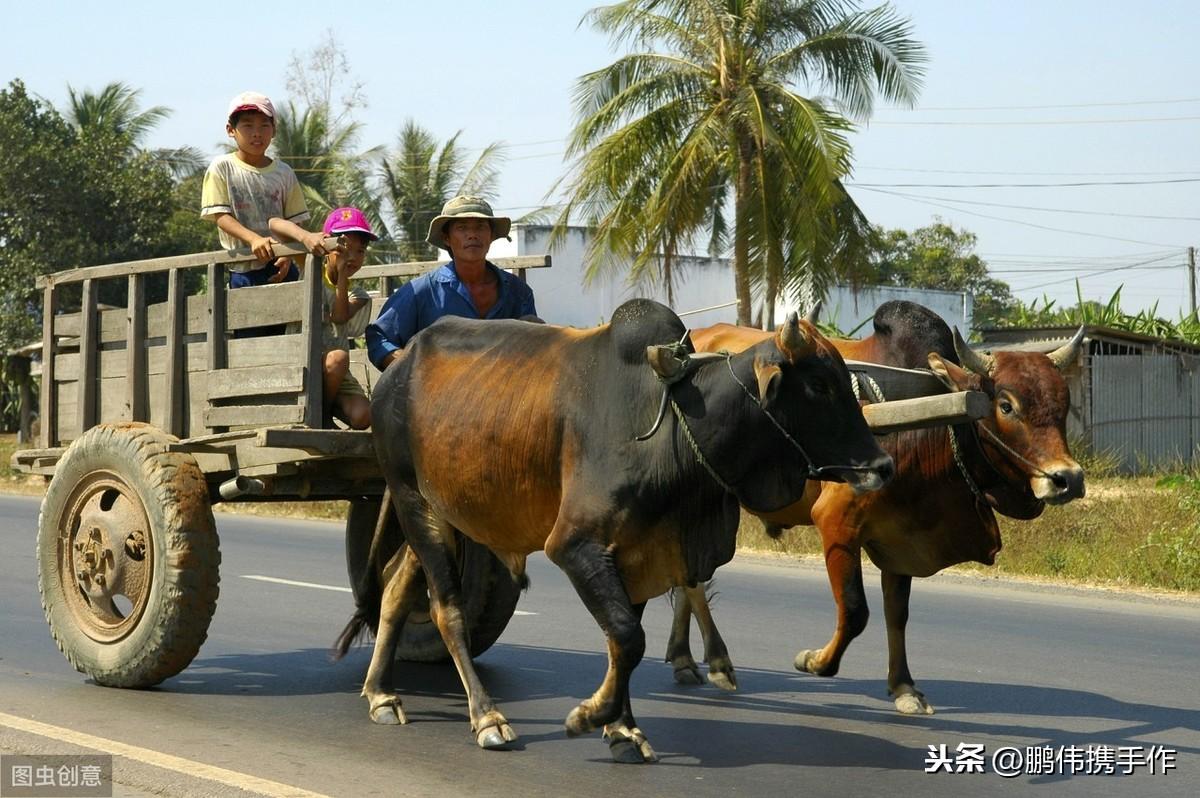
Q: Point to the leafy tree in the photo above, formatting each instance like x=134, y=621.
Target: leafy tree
x=115, y=109
x=420, y=176
x=704, y=116
x=68, y=198
x=942, y=257
x=329, y=171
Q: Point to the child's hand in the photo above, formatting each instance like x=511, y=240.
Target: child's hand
x=282, y=266
x=314, y=243
x=261, y=247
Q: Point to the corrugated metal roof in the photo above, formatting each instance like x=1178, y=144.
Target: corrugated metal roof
x=1046, y=339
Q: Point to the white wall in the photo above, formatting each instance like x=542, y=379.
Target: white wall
x=700, y=283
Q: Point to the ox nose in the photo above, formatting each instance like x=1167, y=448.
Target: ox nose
x=1065, y=483
x=877, y=474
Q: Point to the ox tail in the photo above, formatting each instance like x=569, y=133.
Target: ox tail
x=773, y=530
x=359, y=627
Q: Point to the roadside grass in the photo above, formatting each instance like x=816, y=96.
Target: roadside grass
x=1141, y=532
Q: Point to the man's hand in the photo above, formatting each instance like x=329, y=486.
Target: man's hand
x=282, y=266
x=261, y=247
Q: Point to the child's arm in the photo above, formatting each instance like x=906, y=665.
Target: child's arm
x=260, y=245
x=290, y=231
x=342, y=308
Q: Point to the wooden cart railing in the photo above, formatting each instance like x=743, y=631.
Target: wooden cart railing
x=174, y=364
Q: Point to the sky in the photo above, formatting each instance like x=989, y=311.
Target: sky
x=1019, y=99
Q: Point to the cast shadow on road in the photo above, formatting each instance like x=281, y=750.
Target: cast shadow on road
x=776, y=717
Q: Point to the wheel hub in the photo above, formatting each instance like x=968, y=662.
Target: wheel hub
x=106, y=556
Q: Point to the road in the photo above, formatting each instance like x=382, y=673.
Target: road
x=263, y=710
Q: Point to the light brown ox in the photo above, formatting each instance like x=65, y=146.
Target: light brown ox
x=931, y=515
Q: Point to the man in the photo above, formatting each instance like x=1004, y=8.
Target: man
x=467, y=286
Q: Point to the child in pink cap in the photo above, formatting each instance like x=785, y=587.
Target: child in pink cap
x=345, y=313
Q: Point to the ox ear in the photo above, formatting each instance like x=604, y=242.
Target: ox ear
x=769, y=375
x=665, y=363
x=953, y=377
x=794, y=340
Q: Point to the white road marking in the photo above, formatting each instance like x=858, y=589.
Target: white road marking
x=188, y=767
x=340, y=589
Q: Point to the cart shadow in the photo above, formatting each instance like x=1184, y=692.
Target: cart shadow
x=781, y=717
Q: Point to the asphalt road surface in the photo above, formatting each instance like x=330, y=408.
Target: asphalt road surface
x=263, y=710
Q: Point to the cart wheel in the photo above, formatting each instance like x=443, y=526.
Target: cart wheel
x=127, y=556
x=489, y=592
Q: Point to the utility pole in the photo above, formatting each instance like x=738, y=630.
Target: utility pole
x=1192, y=277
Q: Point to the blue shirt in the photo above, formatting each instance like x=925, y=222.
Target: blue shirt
x=420, y=302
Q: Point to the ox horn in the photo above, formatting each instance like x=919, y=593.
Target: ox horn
x=982, y=364
x=793, y=339
x=813, y=313
x=1065, y=355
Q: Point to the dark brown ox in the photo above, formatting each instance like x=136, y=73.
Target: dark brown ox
x=526, y=437
x=938, y=511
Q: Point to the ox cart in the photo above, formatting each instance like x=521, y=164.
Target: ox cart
x=151, y=412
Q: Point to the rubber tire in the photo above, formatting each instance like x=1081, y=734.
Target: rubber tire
x=489, y=592
x=185, y=582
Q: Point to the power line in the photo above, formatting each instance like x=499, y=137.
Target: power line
x=1047, y=107
x=1009, y=173
x=1032, y=185
x=1023, y=223
x=1032, y=123
x=1054, y=210
x=1099, y=272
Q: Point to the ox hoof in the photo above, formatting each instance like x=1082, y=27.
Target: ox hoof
x=913, y=704
x=630, y=747
x=496, y=737
x=688, y=675
x=806, y=662
x=388, y=712
x=724, y=679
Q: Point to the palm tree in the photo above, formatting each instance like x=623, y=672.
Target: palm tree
x=322, y=154
x=421, y=176
x=115, y=109
x=704, y=116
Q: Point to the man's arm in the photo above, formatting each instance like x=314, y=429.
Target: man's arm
x=397, y=323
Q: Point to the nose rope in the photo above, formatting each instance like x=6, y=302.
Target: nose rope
x=1013, y=453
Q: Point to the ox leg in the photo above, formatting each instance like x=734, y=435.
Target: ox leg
x=432, y=539
x=626, y=742
x=402, y=587
x=720, y=667
x=843, y=564
x=679, y=647
x=592, y=570
x=896, y=592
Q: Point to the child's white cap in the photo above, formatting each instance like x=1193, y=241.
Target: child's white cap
x=251, y=101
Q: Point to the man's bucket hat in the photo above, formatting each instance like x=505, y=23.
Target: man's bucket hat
x=462, y=207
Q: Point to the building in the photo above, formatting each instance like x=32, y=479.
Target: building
x=704, y=292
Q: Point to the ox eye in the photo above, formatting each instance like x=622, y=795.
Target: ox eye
x=1006, y=407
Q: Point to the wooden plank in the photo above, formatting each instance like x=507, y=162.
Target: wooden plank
x=314, y=354
x=337, y=443
x=254, y=306
x=217, y=293
x=167, y=264
x=927, y=411
x=214, y=442
x=49, y=398
x=252, y=415
x=415, y=268
x=137, y=397
x=173, y=420
x=86, y=396
x=247, y=352
x=228, y=383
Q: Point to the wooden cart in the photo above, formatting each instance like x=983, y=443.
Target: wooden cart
x=153, y=412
